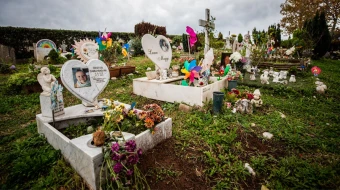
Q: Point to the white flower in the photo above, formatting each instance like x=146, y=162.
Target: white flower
x=235, y=57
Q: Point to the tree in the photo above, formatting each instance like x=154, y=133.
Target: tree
x=296, y=12
x=239, y=38
x=220, y=36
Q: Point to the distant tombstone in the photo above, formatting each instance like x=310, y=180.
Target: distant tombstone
x=235, y=46
x=85, y=81
x=43, y=47
x=7, y=54
x=158, y=50
x=86, y=49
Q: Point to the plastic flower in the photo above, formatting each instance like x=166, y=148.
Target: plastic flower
x=115, y=157
x=142, y=115
x=149, y=122
x=115, y=147
x=129, y=172
x=139, y=152
x=118, y=167
x=131, y=113
x=130, y=146
x=132, y=159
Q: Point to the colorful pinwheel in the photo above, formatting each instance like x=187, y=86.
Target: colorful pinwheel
x=192, y=34
x=191, y=70
x=104, y=40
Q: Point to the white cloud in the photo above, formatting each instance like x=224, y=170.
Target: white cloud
x=236, y=16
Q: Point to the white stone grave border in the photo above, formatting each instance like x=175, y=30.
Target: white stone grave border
x=84, y=159
x=165, y=91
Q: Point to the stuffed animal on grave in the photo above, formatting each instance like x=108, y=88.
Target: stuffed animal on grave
x=320, y=87
x=264, y=78
x=99, y=137
x=276, y=77
x=252, y=74
x=292, y=78
x=257, y=101
x=244, y=106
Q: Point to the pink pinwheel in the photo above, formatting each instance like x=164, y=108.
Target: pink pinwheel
x=192, y=34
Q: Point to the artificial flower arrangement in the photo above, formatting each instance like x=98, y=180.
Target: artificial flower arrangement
x=237, y=59
x=234, y=95
x=118, y=117
x=120, y=156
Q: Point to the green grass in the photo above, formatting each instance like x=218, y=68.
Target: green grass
x=304, y=153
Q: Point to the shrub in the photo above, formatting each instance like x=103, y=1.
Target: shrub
x=136, y=46
x=4, y=68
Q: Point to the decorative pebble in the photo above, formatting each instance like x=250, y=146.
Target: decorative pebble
x=251, y=171
x=267, y=135
x=130, y=74
x=148, y=69
x=283, y=116
x=252, y=124
x=113, y=78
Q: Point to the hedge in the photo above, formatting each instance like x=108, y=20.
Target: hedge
x=21, y=38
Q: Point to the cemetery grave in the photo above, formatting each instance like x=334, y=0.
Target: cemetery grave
x=244, y=128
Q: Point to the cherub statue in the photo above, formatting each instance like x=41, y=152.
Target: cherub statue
x=264, y=78
x=46, y=80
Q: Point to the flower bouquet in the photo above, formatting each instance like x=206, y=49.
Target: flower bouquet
x=238, y=61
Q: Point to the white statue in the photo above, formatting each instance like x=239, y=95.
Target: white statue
x=292, y=78
x=320, y=87
x=276, y=77
x=264, y=78
x=228, y=45
x=257, y=98
x=271, y=71
x=46, y=80
x=283, y=74
x=235, y=46
x=252, y=74
x=244, y=106
x=247, y=45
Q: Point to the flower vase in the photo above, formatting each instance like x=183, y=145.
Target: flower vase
x=232, y=84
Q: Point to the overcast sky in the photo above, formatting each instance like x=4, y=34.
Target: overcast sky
x=236, y=16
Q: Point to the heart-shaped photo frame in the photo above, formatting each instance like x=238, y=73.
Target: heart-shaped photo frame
x=158, y=50
x=85, y=81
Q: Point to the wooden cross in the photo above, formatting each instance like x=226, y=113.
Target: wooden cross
x=206, y=24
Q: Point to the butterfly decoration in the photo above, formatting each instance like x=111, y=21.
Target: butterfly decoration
x=191, y=70
x=192, y=34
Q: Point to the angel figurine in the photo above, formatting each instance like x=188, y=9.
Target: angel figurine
x=46, y=80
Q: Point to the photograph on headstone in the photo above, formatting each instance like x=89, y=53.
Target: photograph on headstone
x=164, y=45
x=81, y=77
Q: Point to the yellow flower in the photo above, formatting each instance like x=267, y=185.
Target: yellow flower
x=107, y=115
x=153, y=132
x=131, y=113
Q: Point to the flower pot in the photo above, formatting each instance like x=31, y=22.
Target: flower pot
x=232, y=84
x=217, y=101
x=124, y=70
x=114, y=72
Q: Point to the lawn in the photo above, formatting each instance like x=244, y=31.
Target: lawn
x=206, y=151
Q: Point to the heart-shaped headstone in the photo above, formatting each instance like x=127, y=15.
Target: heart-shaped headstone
x=85, y=81
x=158, y=50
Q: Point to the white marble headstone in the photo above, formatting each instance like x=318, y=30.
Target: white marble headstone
x=86, y=49
x=85, y=81
x=43, y=47
x=158, y=50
